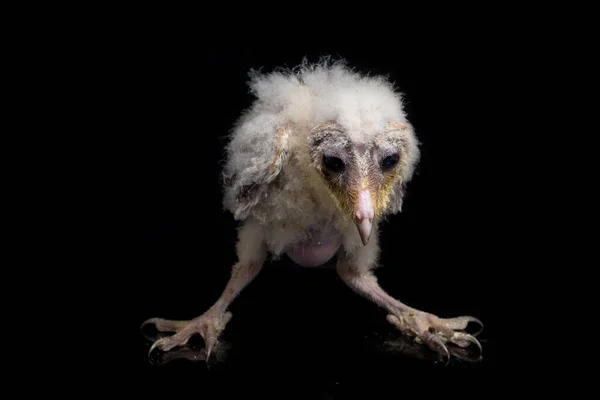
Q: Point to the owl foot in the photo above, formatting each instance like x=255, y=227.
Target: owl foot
x=436, y=332
x=209, y=326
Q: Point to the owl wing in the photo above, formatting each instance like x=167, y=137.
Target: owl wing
x=255, y=156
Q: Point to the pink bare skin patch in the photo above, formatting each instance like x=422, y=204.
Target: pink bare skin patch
x=317, y=250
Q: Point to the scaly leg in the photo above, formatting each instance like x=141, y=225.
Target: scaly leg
x=355, y=271
x=251, y=254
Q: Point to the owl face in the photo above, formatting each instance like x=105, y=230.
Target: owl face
x=360, y=175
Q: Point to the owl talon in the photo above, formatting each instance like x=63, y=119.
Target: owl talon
x=435, y=332
x=209, y=326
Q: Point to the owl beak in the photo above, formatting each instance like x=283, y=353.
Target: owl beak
x=364, y=215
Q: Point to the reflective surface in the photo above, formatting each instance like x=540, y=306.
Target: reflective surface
x=406, y=349
x=367, y=368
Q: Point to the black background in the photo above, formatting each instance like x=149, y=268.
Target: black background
x=298, y=331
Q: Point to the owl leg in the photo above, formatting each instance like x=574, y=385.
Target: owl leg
x=251, y=254
x=426, y=328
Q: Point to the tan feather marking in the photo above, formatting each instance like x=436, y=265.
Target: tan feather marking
x=396, y=125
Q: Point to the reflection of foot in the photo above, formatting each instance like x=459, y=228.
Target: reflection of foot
x=189, y=353
x=436, y=332
x=209, y=326
x=408, y=347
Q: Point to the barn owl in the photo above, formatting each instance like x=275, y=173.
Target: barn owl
x=323, y=155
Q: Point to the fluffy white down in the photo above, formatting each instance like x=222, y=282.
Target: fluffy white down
x=297, y=100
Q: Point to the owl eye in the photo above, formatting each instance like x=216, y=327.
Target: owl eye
x=390, y=161
x=333, y=164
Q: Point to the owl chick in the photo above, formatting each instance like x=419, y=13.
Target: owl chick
x=320, y=159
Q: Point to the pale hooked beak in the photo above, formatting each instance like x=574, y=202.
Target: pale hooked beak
x=364, y=215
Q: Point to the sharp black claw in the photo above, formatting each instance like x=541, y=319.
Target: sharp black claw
x=210, y=345
x=148, y=322
x=150, y=334
x=477, y=321
x=472, y=339
x=154, y=345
